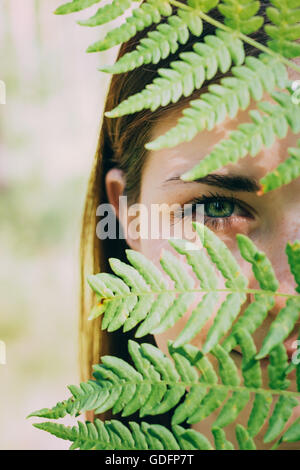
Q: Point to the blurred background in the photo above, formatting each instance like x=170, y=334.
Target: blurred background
x=48, y=135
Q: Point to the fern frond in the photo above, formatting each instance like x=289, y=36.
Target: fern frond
x=281, y=327
x=225, y=99
x=160, y=43
x=113, y=435
x=108, y=13
x=245, y=441
x=151, y=11
x=240, y=15
x=157, y=308
x=293, y=254
x=261, y=265
x=75, y=5
x=250, y=137
x=156, y=384
x=285, y=16
x=185, y=75
x=221, y=442
x=286, y=172
x=292, y=434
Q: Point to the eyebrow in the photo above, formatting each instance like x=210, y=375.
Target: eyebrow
x=231, y=182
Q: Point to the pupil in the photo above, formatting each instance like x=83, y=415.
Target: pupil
x=219, y=209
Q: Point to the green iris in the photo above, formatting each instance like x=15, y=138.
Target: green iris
x=219, y=208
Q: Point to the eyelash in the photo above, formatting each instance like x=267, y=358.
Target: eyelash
x=217, y=223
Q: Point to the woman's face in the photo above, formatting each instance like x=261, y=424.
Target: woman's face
x=231, y=206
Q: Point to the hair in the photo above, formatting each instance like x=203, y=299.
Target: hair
x=121, y=144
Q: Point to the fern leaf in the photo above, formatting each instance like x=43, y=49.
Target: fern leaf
x=281, y=327
x=222, y=257
x=191, y=440
x=232, y=408
x=293, y=254
x=240, y=15
x=199, y=316
x=285, y=30
x=113, y=435
x=293, y=433
x=260, y=410
x=277, y=368
x=203, y=5
x=224, y=319
x=160, y=43
x=221, y=442
x=211, y=402
x=191, y=404
x=200, y=263
x=250, y=367
x=286, y=172
x=75, y=5
x=233, y=94
x=245, y=441
x=151, y=11
x=157, y=384
x=185, y=75
x=251, y=319
x=282, y=412
x=108, y=13
x=250, y=137
x=261, y=265
x=87, y=397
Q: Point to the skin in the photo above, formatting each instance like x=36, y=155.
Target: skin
x=270, y=221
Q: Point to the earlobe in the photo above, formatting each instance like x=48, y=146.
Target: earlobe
x=115, y=184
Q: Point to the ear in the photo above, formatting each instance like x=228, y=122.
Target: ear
x=115, y=185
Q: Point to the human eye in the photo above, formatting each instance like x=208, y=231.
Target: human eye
x=220, y=213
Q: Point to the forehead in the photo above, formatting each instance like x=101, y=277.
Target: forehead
x=168, y=162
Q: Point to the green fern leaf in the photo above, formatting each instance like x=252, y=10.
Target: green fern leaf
x=251, y=319
x=282, y=412
x=203, y=5
x=148, y=13
x=184, y=76
x=293, y=433
x=285, y=29
x=286, y=172
x=250, y=367
x=160, y=43
x=244, y=440
x=281, y=327
x=261, y=265
x=108, y=13
x=233, y=94
x=293, y=254
x=221, y=442
x=260, y=410
x=113, y=435
x=250, y=137
x=75, y=5
x=277, y=368
x=239, y=15
x=191, y=440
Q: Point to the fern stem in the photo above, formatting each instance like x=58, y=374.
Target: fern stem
x=205, y=291
x=238, y=34
x=228, y=388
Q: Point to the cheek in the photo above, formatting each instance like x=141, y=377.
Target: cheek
x=152, y=249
